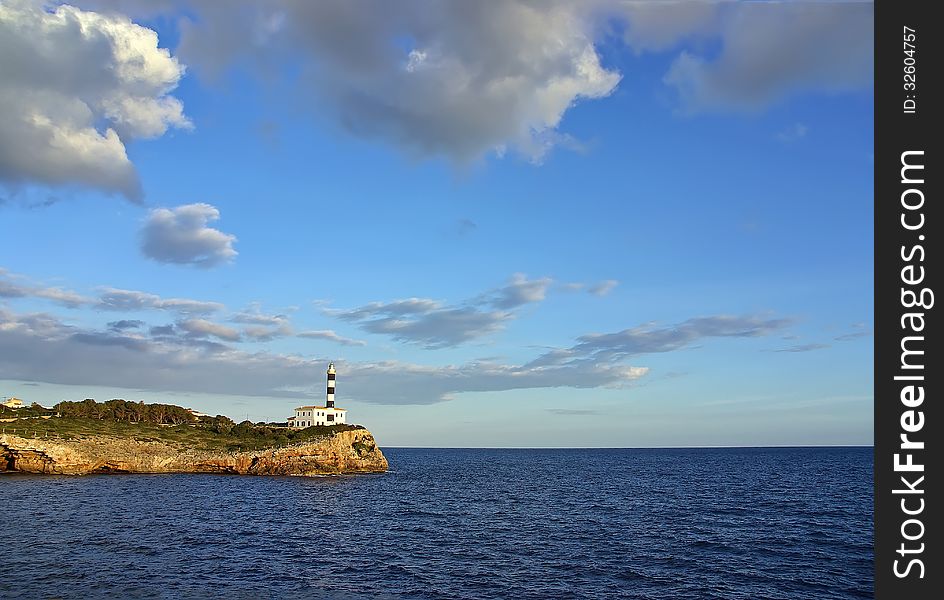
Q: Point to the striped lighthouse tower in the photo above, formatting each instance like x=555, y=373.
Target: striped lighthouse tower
x=330, y=400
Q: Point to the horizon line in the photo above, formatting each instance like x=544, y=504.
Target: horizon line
x=872, y=445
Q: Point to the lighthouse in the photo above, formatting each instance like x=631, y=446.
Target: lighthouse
x=313, y=416
x=329, y=403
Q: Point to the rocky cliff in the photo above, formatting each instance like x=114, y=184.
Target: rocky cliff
x=344, y=452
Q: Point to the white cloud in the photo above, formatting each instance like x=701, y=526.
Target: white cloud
x=605, y=348
x=602, y=288
x=465, y=79
x=434, y=324
x=331, y=336
x=657, y=26
x=770, y=50
x=76, y=87
x=200, y=328
x=39, y=347
x=261, y=327
x=794, y=133
x=181, y=236
x=804, y=348
x=520, y=291
x=254, y=316
x=11, y=287
x=131, y=300
x=459, y=79
x=260, y=333
x=423, y=321
x=112, y=299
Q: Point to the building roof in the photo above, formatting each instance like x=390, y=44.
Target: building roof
x=334, y=408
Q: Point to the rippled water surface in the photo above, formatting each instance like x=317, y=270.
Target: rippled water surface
x=522, y=524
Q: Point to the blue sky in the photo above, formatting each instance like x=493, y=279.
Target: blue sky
x=510, y=225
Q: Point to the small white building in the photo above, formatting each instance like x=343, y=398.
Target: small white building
x=329, y=414
x=12, y=403
x=309, y=416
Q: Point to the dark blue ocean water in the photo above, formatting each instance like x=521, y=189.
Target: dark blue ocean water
x=521, y=524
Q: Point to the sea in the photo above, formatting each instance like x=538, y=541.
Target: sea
x=745, y=523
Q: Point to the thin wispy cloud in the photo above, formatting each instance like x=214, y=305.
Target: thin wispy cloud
x=195, y=355
x=604, y=348
x=434, y=324
x=331, y=336
x=119, y=300
x=15, y=286
x=424, y=322
x=603, y=288
x=465, y=227
x=804, y=348
x=262, y=327
x=791, y=134
x=859, y=330
x=573, y=412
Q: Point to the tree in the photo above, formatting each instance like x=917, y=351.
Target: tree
x=244, y=429
x=223, y=424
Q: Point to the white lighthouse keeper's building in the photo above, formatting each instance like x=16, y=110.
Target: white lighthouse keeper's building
x=329, y=414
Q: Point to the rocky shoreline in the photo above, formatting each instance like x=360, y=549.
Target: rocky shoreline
x=344, y=452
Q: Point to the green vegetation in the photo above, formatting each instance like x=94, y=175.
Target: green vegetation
x=161, y=422
x=122, y=410
x=33, y=410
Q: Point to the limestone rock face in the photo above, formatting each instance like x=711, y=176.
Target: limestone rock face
x=352, y=451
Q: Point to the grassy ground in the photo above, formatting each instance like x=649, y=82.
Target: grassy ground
x=189, y=436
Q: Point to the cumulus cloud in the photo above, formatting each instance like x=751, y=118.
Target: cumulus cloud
x=76, y=87
x=455, y=79
x=465, y=79
x=331, y=336
x=770, y=50
x=434, y=324
x=181, y=236
x=603, y=288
